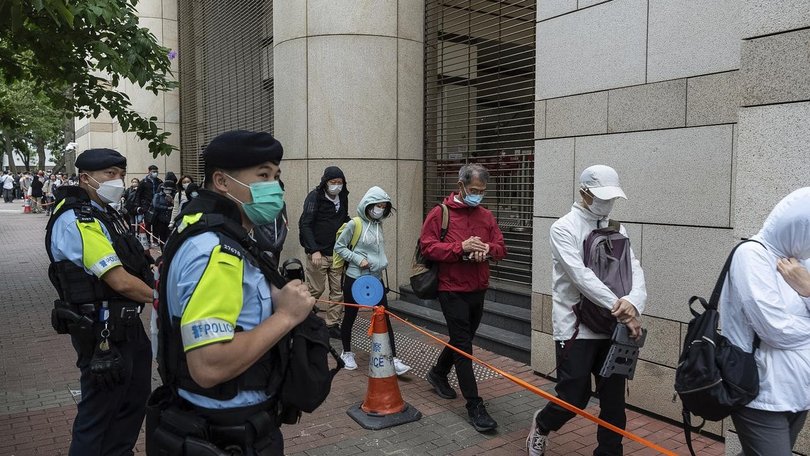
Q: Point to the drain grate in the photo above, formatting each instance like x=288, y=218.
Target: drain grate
x=418, y=354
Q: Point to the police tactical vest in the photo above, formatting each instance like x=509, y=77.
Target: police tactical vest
x=172, y=363
x=73, y=284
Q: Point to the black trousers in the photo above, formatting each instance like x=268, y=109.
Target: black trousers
x=161, y=231
x=462, y=312
x=577, y=363
x=350, y=314
x=108, y=422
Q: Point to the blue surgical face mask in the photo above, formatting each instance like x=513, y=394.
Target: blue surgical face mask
x=472, y=200
x=268, y=200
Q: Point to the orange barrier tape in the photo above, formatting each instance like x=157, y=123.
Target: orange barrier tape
x=526, y=385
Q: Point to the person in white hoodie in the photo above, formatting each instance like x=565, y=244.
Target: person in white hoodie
x=758, y=300
x=582, y=357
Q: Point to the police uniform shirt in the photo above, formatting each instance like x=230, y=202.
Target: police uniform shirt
x=213, y=291
x=86, y=244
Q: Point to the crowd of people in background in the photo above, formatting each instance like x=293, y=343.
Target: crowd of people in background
x=148, y=201
x=34, y=188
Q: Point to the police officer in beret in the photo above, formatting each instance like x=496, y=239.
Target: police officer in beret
x=103, y=278
x=219, y=315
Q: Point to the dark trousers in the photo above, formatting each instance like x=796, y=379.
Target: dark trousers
x=764, y=433
x=8, y=195
x=350, y=314
x=462, y=312
x=161, y=232
x=108, y=422
x=577, y=363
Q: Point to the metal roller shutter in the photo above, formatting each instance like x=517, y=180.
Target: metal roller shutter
x=479, y=107
x=226, y=72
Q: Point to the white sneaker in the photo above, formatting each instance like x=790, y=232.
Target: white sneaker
x=536, y=443
x=400, y=367
x=348, y=360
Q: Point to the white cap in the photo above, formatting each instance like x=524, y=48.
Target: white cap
x=602, y=181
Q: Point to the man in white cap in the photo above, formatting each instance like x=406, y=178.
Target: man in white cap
x=580, y=351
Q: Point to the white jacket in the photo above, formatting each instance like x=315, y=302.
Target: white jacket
x=570, y=276
x=755, y=297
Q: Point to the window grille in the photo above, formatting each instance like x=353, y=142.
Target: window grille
x=479, y=107
x=226, y=72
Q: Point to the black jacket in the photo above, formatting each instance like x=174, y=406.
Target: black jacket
x=146, y=192
x=36, y=187
x=319, y=222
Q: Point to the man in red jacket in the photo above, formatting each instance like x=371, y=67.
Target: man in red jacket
x=473, y=238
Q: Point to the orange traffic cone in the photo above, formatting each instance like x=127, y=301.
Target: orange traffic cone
x=383, y=406
x=27, y=206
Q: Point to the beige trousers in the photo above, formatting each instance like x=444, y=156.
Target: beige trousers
x=317, y=277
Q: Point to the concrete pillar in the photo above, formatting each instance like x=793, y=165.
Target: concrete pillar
x=348, y=92
x=160, y=17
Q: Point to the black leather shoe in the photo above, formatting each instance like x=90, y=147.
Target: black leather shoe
x=334, y=332
x=480, y=419
x=441, y=385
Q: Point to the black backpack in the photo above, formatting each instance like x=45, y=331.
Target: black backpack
x=714, y=377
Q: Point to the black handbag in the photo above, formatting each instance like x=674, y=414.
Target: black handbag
x=424, y=273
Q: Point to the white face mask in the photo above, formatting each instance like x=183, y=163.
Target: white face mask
x=153, y=174
x=185, y=185
x=110, y=191
x=334, y=189
x=376, y=212
x=601, y=207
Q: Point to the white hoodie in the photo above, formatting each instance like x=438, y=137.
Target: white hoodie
x=755, y=297
x=571, y=277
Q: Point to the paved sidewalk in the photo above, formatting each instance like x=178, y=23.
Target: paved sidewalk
x=38, y=383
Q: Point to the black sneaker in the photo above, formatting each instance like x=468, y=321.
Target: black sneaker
x=441, y=385
x=480, y=419
x=334, y=332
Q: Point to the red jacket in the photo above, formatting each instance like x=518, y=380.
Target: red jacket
x=465, y=221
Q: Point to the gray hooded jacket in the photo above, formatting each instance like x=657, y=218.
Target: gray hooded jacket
x=371, y=245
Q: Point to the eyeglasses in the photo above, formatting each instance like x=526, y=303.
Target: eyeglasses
x=475, y=191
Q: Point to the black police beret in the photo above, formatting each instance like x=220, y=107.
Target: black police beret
x=242, y=149
x=96, y=159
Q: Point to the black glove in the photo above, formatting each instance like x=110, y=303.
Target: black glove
x=107, y=366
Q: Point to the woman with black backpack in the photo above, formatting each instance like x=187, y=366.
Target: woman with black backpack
x=757, y=301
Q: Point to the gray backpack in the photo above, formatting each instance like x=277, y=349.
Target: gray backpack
x=607, y=254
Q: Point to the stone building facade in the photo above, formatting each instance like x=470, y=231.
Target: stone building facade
x=703, y=107
x=160, y=17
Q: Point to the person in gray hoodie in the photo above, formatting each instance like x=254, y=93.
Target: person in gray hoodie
x=367, y=257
